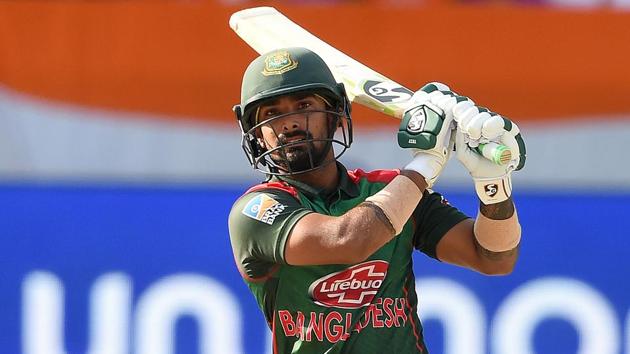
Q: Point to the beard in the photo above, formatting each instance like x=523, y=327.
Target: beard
x=301, y=156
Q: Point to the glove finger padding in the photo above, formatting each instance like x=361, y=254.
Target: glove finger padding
x=446, y=102
x=514, y=131
x=513, y=139
x=482, y=126
x=464, y=112
x=492, y=128
x=435, y=86
x=475, y=125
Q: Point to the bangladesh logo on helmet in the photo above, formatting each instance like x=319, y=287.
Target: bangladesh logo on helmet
x=279, y=62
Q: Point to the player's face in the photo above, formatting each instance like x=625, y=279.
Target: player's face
x=295, y=123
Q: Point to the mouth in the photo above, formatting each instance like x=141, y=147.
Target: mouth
x=293, y=139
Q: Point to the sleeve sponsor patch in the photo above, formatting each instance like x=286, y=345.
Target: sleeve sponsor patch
x=263, y=208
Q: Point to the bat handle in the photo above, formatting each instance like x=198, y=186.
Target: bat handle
x=497, y=153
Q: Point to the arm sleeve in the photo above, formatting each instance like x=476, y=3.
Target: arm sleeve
x=259, y=224
x=433, y=217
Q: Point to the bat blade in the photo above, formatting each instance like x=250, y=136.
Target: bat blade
x=266, y=29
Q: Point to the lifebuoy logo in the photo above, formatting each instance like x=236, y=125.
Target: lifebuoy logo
x=351, y=288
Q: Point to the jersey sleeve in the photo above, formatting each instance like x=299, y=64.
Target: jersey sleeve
x=259, y=224
x=433, y=217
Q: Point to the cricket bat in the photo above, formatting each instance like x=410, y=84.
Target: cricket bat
x=266, y=29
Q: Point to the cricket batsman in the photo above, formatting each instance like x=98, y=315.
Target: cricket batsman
x=326, y=251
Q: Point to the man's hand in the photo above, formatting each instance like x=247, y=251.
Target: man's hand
x=477, y=126
x=427, y=129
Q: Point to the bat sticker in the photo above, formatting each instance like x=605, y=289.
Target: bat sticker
x=386, y=91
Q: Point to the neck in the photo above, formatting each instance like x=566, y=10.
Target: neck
x=325, y=178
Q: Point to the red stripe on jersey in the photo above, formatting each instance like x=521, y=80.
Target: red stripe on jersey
x=376, y=176
x=273, y=334
x=413, y=323
x=275, y=185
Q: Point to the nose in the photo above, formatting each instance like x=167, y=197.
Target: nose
x=291, y=123
x=290, y=126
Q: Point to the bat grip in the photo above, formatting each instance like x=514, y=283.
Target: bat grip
x=497, y=153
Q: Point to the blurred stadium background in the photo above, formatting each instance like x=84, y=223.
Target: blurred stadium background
x=120, y=159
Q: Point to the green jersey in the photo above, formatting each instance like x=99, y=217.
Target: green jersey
x=362, y=308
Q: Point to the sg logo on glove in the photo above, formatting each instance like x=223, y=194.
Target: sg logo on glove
x=417, y=120
x=491, y=189
x=420, y=126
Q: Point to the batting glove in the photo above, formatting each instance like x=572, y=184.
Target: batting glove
x=427, y=130
x=477, y=126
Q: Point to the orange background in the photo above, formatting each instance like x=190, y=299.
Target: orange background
x=181, y=59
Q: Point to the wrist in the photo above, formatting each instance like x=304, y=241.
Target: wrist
x=427, y=165
x=417, y=178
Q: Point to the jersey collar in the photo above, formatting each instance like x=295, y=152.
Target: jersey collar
x=346, y=186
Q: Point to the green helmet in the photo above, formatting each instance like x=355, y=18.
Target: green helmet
x=284, y=72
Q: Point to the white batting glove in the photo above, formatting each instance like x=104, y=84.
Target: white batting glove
x=427, y=130
x=475, y=126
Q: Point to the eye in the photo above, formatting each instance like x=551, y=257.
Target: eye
x=270, y=113
x=304, y=105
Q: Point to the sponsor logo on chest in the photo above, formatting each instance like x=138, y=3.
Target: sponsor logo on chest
x=351, y=288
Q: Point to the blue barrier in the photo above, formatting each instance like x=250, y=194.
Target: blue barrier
x=149, y=270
